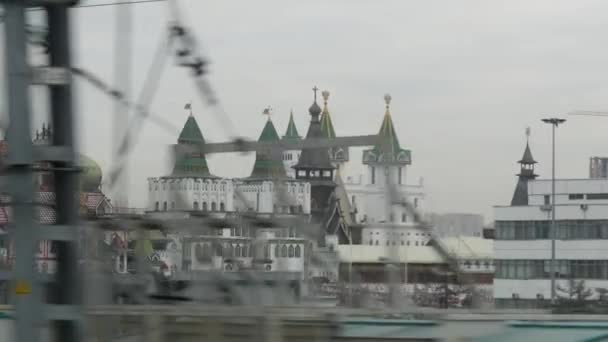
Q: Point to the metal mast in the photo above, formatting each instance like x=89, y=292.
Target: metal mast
x=63, y=294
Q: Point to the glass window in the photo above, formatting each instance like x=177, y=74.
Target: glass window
x=298, y=251
x=284, y=251
x=373, y=175
x=291, y=251
x=597, y=196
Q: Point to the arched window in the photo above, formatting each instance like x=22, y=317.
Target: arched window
x=213, y=206
x=276, y=251
x=291, y=251
x=415, y=203
x=300, y=209
x=156, y=206
x=229, y=251
x=218, y=249
x=204, y=206
x=353, y=200
x=416, y=243
x=172, y=205
x=237, y=251
x=266, y=251
x=284, y=251
x=222, y=208
x=408, y=242
x=165, y=206
x=244, y=251
x=206, y=252
x=403, y=218
x=195, y=205
x=377, y=243
x=298, y=251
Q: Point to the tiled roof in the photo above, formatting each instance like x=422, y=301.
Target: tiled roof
x=292, y=131
x=267, y=165
x=191, y=164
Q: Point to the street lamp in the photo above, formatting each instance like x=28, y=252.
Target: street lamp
x=554, y=122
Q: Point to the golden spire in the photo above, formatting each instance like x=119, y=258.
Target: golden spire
x=387, y=100
x=325, y=94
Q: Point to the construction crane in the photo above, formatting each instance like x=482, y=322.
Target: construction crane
x=588, y=113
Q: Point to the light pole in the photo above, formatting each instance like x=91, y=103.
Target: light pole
x=554, y=122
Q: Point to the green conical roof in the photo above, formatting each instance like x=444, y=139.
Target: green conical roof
x=267, y=165
x=327, y=127
x=292, y=131
x=389, y=150
x=387, y=131
x=191, y=164
x=191, y=133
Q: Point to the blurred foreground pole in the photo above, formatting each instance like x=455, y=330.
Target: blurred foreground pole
x=66, y=292
x=26, y=295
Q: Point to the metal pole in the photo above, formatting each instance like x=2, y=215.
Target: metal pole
x=66, y=290
x=20, y=159
x=554, y=123
x=122, y=79
x=553, y=230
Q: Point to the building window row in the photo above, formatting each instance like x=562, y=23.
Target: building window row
x=291, y=209
x=541, y=269
x=394, y=243
x=204, y=251
x=283, y=251
x=600, y=196
x=565, y=230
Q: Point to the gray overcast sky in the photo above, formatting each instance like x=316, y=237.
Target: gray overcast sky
x=466, y=78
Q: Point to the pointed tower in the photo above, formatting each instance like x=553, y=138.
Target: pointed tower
x=191, y=164
x=526, y=173
x=337, y=155
x=387, y=159
x=268, y=166
x=290, y=157
x=314, y=165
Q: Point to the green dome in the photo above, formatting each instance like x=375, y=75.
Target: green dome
x=90, y=178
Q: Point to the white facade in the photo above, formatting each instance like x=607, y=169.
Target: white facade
x=369, y=196
x=290, y=159
x=289, y=197
x=387, y=235
x=272, y=250
x=186, y=193
x=523, y=245
x=218, y=195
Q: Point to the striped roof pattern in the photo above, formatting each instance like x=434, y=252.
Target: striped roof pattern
x=327, y=126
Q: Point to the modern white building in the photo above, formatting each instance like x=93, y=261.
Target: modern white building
x=523, y=244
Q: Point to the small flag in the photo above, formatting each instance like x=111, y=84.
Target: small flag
x=188, y=106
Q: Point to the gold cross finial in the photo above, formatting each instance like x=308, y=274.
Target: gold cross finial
x=325, y=94
x=314, y=89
